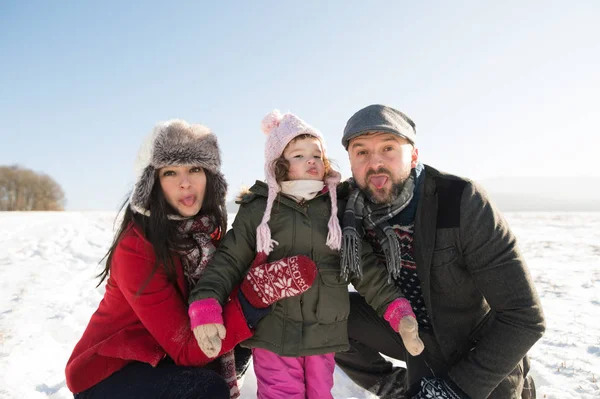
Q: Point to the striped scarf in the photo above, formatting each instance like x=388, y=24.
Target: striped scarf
x=200, y=231
x=359, y=214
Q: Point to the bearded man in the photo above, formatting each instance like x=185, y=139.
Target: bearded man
x=453, y=255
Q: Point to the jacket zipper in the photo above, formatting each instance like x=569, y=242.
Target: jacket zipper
x=303, y=204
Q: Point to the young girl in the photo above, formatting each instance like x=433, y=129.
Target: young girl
x=294, y=213
x=138, y=344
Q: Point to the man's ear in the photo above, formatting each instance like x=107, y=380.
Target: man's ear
x=414, y=157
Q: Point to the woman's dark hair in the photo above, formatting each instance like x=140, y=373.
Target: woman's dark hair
x=281, y=166
x=161, y=231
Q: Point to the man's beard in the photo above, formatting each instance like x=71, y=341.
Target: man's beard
x=381, y=196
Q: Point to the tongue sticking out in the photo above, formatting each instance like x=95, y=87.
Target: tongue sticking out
x=379, y=181
x=188, y=201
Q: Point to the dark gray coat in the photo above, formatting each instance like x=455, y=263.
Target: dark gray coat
x=479, y=294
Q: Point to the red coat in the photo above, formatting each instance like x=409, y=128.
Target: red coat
x=145, y=327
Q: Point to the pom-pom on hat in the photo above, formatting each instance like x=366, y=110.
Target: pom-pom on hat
x=281, y=130
x=175, y=143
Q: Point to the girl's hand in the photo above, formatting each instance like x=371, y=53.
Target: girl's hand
x=206, y=320
x=209, y=337
x=409, y=331
x=402, y=319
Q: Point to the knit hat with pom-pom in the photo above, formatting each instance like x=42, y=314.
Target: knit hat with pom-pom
x=281, y=130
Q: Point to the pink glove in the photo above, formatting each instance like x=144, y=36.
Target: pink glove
x=206, y=320
x=402, y=319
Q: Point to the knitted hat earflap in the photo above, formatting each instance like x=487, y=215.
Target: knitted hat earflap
x=264, y=243
x=334, y=236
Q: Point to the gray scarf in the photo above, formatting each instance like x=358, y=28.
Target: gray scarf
x=361, y=214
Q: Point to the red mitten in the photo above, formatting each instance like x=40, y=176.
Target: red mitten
x=267, y=283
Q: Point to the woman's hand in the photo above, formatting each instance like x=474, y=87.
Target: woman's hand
x=209, y=337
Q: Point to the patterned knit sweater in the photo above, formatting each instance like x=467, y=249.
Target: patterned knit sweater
x=408, y=281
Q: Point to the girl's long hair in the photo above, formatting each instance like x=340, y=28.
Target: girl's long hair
x=161, y=231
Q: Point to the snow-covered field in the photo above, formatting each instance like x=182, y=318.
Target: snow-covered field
x=48, y=262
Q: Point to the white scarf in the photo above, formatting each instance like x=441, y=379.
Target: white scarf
x=302, y=189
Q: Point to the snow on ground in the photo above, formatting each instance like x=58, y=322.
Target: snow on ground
x=48, y=262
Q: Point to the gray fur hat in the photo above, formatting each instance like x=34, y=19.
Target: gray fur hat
x=379, y=118
x=173, y=143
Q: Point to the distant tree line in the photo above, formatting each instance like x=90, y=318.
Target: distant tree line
x=22, y=189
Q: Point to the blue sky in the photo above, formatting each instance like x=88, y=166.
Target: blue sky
x=496, y=89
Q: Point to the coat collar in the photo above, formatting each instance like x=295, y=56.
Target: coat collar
x=261, y=189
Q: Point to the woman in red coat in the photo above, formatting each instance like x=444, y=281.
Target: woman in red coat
x=138, y=343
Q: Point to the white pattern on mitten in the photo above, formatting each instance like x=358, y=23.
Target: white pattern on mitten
x=267, y=283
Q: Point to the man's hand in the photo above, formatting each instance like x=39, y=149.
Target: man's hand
x=209, y=337
x=437, y=388
x=409, y=331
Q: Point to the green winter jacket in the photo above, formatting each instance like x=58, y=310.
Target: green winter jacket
x=316, y=321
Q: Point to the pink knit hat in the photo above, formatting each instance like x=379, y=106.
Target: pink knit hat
x=280, y=130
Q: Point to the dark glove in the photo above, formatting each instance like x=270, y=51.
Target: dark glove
x=253, y=315
x=438, y=388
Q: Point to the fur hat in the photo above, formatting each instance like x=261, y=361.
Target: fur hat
x=281, y=130
x=173, y=143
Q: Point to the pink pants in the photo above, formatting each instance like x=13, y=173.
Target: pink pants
x=304, y=377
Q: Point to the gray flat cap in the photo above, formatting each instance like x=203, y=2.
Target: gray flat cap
x=379, y=118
